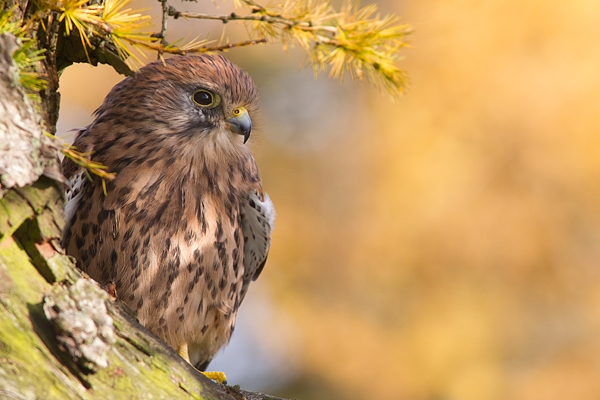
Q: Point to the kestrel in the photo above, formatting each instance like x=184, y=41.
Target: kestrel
x=184, y=227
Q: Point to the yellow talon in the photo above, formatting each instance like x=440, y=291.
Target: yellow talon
x=183, y=352
x=216, y=376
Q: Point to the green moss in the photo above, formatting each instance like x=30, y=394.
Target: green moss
x=19, y=341
x=61, y=267
x=13, y=212
x=26, y=280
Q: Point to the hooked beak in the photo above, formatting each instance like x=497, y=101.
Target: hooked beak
x=241, y=123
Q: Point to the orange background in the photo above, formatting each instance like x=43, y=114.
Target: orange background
x=443, y=246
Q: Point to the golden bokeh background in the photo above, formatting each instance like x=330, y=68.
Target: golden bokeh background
x=443, y=246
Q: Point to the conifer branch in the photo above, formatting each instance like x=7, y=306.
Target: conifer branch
x=355, y=41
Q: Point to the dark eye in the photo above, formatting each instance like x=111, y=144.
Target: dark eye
x=203, y=98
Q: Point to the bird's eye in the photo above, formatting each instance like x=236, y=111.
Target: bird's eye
x=204, y=98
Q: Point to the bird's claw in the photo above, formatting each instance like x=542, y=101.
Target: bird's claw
x=216, y=376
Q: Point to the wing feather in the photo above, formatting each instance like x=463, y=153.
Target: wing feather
x=258, y=218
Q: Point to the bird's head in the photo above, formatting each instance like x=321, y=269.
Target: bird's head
x=190, y=96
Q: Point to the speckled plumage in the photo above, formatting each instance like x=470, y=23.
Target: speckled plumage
x=184, y=226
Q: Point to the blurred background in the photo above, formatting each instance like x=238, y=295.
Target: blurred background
x=442, y=246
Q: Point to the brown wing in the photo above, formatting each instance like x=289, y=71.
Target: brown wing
x=258, y=217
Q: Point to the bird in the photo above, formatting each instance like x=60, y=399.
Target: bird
x=184, y=227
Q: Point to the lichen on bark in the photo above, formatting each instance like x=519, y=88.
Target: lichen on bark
x=83, y=327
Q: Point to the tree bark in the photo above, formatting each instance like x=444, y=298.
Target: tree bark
x=60, y=337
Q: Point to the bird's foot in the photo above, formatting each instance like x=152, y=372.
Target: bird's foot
x=216, y=376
